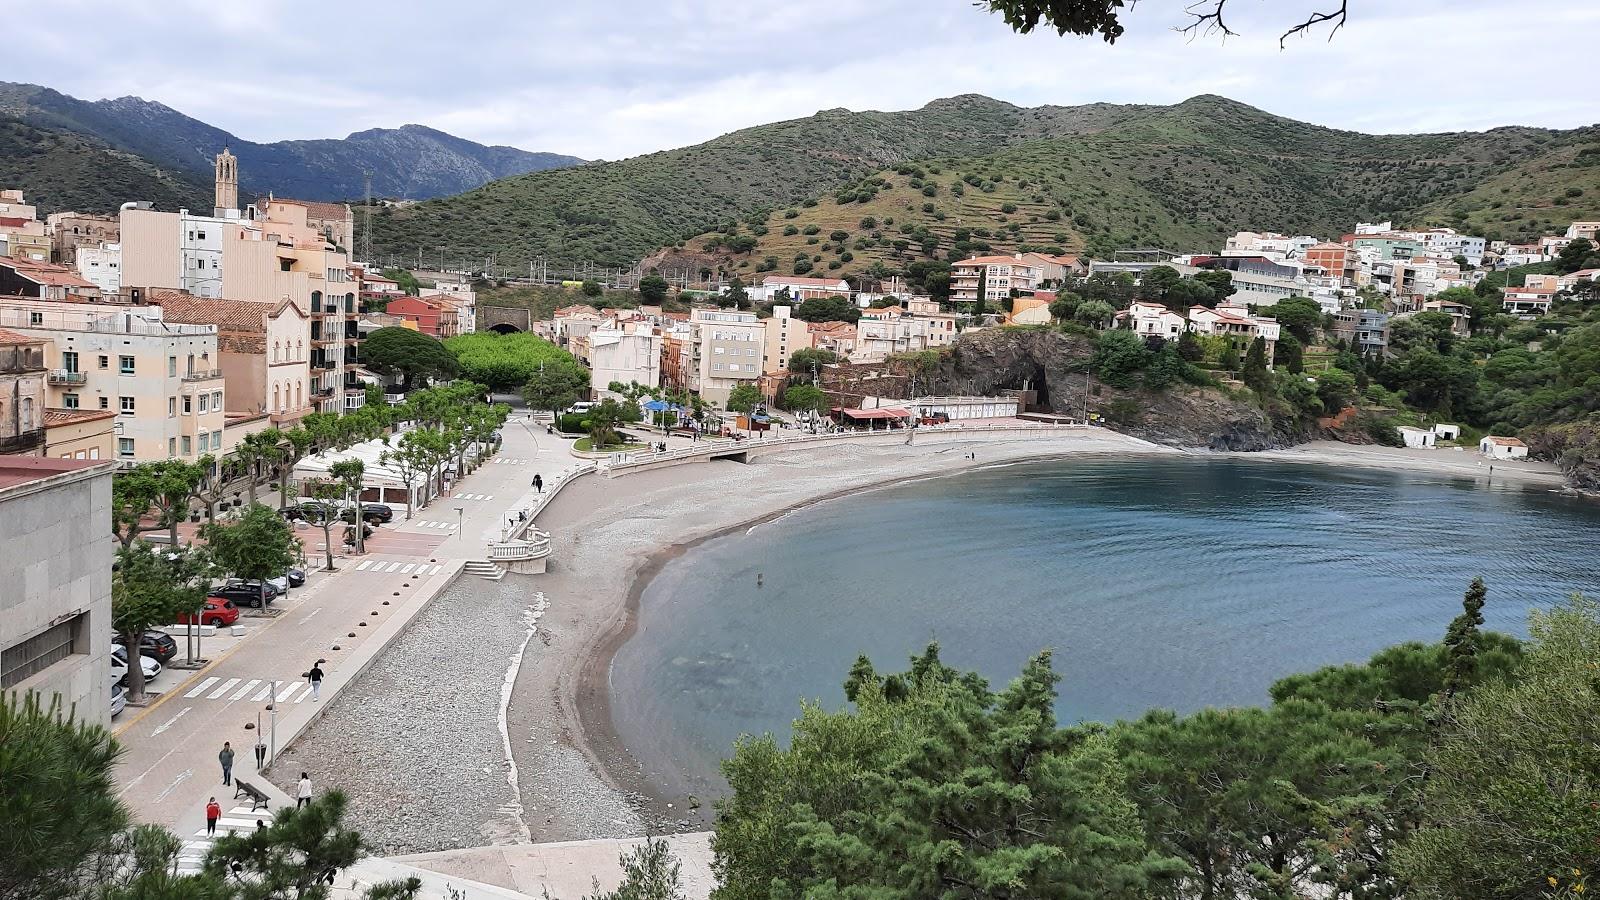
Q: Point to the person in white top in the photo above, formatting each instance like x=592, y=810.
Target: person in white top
x=302, y=796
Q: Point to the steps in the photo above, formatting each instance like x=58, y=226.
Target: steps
x=484, y=569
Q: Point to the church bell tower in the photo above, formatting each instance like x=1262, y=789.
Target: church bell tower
x=227, y=183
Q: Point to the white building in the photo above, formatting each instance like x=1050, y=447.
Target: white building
x=1417, y=438
x=101, y=265
x=999, y=275
x=1503, y=448
x=881, y=333
x=465, y=299
x=727, y=350
x=627, y=353
x=55, y=583
x=800, y=288
x=1152, y=319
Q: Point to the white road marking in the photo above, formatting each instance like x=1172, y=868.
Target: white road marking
x=201, y=688
x=182, y=777
x=286, y=692
x=264, y=693
x=363, y=566
x=303, y=694
x=250, y=686
x=308, y=615
x=170, y=722
x=226, y=687
x=407, y=568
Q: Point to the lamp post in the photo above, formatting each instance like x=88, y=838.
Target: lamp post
x=461, y=518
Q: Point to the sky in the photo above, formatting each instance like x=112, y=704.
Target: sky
x=606, y=80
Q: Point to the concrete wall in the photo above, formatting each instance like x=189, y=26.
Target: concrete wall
x=57, y=563
x=151, y=251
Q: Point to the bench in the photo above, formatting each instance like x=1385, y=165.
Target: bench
x=258, y=800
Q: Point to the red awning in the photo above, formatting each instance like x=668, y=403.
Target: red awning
x=876, y=413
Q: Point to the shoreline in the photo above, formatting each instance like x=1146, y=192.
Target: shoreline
x=576, y=680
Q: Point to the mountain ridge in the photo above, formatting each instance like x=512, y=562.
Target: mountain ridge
x=410, y=162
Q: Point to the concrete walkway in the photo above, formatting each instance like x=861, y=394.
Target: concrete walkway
x=343, y=618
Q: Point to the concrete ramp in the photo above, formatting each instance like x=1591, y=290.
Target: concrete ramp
x=563, y=871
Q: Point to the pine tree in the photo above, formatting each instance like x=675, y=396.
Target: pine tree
x=1255, y=364
x=1461, y=642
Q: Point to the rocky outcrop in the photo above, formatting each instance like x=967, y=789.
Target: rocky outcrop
x=1055, y=365
x=1575, y=447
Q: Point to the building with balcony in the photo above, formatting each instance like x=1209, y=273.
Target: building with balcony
x=69, y=232
x=726, y=352
x=162, y=380
x=627, y=353
x=266, y=354
x=101, y=265
x=22, y=393
x=55, y=608
x=798, y=288
x=434, y=316
x=785, y=334
x=998, y=275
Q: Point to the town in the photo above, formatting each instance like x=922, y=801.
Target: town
x=351, y=548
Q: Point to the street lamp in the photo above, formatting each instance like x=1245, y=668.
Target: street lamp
x=461, y=518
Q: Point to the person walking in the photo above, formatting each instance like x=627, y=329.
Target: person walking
x=538, y=483
x=226, y=758
x=315, y=677
x=302, y=794
x=213, y=813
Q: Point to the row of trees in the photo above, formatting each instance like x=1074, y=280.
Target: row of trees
x=1458, y=769
x=448, y=421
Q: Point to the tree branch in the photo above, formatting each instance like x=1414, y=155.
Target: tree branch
x=1337, y=16
x=1206, y=22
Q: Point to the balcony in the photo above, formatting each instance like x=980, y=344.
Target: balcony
x=203, y=375
x=323, y=364
x=22, y=443
x=62, y=376
x=322, y=392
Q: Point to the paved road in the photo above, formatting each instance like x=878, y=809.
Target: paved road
x=343, y=618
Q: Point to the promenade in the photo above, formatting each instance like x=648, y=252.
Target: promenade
x=344, y=619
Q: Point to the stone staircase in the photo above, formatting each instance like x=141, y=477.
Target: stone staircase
x=484, y=569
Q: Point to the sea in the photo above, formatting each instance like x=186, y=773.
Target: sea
x=1179, y=583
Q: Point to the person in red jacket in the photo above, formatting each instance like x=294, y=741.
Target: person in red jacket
x=213, y=813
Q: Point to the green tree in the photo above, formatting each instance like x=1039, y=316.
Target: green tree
x=805, y=397
x=1228, y=358
x=1254, y=370
x=296, y=856
x=504, y=362
x=1119, y=355
x=350, y=473
x=257, y=546
x=329, y=499
x=605, y=420
x=1299, y=316
x=592, y=288
x=649, y=872
x=1095, y=312
x=827, y=309
x=1165, y=369
x=162, y=486
x=1158, y=282
x=1575, y=255
x=981, y=306
x=802, y=361
x=653, y=288
x=1220, y=281
x=1289, y=353
x=410, y=459
x=744, y=398
x=737, y=293
x=1065, y=306
x=410, y=354
x=932, y=786
x=151, y=587
x=1189, y=347
x=556, y=386
x=407, y=281
x=294, y=445
x=1336, y=388
x=1514, y=778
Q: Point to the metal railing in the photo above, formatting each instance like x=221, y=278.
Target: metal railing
x=203, y=375
x=62, y=376
x=542, y=499
x=19, y=443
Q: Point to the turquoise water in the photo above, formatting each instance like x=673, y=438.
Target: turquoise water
x=1177, y=583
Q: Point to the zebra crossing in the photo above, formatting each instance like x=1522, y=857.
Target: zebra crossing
x=420, y=570
x=240, y=820
x=502, y=461
x=436, y=526
x=471, y=496
x=257, y=690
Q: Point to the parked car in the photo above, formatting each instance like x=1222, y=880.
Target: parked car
x=296, y=577
x=246, y=593
x=218, y=611
x=119, y=665
x=156, y=644
x=119, y=699
x=374, y=513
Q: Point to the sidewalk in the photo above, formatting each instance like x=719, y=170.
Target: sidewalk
x=344, y=619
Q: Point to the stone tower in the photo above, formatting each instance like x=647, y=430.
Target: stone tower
x=227, y=183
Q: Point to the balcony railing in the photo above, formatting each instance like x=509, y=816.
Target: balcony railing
x=323, y=364
x=22, y=443
x=203, y=375
x=62, y=376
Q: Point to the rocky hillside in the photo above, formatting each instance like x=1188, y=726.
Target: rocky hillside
x=1054, y=364
x=60, y=170
x=410, y=162
x=1182, y=177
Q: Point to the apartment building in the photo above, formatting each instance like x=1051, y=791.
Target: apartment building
x=785, y=334
x=22, y=235
x=434, y=316
x=1528, y=301
x=22, y=393
x=69, y=231
x=999, y=275
x=838, y=338
x=46, y=281
x=1368, y=329
x=881, y=333
x=1236, y=323
x=101, y=266
x=265, y=351
x=463, y=297
x=162, y=380
x=1335, y=260
x=726, y=352
x=1054, y=268
x=628, y=353
x=333, y=223
x=55, y=608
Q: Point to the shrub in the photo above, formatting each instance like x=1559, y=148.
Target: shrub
x=838, y=235
x=812, y=229
x=802, y=266
x=790, y=231
x=930, y=190
x=1008, y=208
x=791, y=214
x=868, y=223
x=846, y=256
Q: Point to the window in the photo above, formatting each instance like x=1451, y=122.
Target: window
x=172, y=447
x=69, y=401
x=205, y=402
x=126, y=404
x=125, y=365
x=186, y=443
x=105, y=402
x=716, y=367
x=125, y=448
x=718, y=351
x=172, y=407
x=188, y=404
x=105, y=361
x=35, y=318
x=204, y=444
x=172, y=367
x=200, y=235
x=22, y=661
x=69, y=361
x=216, y=439
x=216, y=400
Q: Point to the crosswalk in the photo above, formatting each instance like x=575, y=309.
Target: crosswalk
x=472, y=497
x=240, y=820
x=437, y=526
x=257, y=690
x=421, y=570
x=502, y=461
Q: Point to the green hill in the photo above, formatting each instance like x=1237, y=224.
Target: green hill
x=60, y=171
x=1181, y=176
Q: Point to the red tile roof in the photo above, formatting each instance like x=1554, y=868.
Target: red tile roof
x=993, y=261
x=11, y=337
x=55, y=418
x=46, y=273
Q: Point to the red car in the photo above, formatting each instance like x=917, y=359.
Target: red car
x=217, y=611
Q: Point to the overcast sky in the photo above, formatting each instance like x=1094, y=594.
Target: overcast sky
x=620, y=78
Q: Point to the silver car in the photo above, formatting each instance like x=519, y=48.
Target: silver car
x=119, y=700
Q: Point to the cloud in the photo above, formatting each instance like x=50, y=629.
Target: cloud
x=632, y=76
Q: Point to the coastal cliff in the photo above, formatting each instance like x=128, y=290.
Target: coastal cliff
x=1056, y=365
